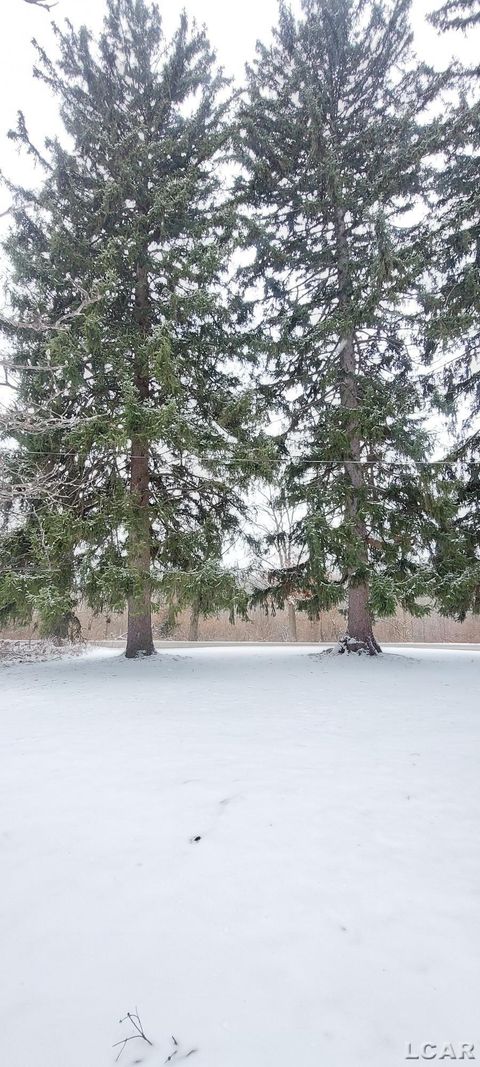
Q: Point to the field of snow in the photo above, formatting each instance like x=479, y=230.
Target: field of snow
x=272, y=854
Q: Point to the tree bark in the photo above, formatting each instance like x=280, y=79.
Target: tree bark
x=292, y=621
x=193, y=628
x=139, y=634
x=359, y=618
x=360, y=624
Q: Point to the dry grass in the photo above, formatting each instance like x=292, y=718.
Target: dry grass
x=261, y=627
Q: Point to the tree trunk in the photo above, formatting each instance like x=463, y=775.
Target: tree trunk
x=66, y=627
x=292, y=621
x=360, y=626
x=193, y=628
x=139, y=635
x=359, y=619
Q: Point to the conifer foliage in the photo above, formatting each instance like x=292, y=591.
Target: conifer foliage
x=122, y=332
x=452, y=308
x=333, y=143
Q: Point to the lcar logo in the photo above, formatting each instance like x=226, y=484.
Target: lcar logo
x=441, y=1052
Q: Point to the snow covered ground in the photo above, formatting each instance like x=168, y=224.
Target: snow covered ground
x=327, y=917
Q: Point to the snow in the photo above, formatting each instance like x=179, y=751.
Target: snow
x=328, y=915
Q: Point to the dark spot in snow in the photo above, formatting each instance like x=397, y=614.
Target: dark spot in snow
x=197, y=838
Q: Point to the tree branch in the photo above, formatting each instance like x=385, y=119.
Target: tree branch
x=42, y=4
x=41, y=325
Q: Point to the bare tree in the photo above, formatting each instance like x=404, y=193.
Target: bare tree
x=44, y=484
x=40, y=324
x=276, y=523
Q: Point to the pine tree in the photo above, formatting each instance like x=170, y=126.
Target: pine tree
x=333, y=147
x=452, y=307
x=126, y=344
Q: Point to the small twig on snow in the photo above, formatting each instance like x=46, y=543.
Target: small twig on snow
x=177, y=1052
x=134, y=1019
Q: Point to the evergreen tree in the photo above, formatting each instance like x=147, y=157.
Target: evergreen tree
x=452, y=308
x=333, y=152
x=126, y=345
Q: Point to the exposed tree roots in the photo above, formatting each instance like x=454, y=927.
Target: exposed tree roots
x=347, y=644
